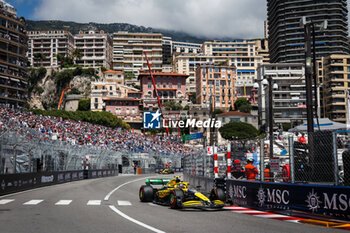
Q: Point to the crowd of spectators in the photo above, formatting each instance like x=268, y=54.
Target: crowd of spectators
x=83, y=133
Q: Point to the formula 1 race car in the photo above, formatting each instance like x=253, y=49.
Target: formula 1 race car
x=166, y=171
x=177, y=194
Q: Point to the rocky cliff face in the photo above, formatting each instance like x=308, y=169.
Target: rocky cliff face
x=49, y=97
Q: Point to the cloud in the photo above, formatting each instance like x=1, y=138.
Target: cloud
x=209, y=18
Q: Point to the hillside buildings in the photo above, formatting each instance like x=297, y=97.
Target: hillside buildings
x=185, y=47
x=110, y=94
x=50, y=44
x=170, y=86
x=241, y=54
x=215, y=86
x=13, y=60
x=289, y=99
x=336, y=77
x=95, y=47
x=128, y=52
x=286, y=36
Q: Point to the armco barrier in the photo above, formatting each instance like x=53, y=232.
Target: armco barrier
x=11, y=183
x=327, y=200
x=205, y=183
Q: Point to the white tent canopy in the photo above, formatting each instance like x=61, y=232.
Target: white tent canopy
x=325, y=124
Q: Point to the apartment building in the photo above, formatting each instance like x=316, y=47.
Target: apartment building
x=112, y=76
x=286, y=36
x=127, y=109
x=110, y=86
x=167, y=46
x=336, y=77
x=50, y=44
x=129, y=48
x=239, y=53
x=289, y=99
x=216, y=85
x=170, y=86
x=185, y=47
x=13, y=60
x=243, y=55
x=262, y=49
x=96, y=49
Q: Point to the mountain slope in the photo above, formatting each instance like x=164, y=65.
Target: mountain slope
x=74, y=28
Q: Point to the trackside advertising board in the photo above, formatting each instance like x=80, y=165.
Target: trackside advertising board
x=317, y=199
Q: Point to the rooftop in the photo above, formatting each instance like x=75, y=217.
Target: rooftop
x=234, y=113
x=113, y=71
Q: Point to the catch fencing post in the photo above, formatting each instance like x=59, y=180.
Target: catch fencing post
x=229, y=162
x=291, y=159
x=216, y=166
x=261, y=159
x=335, y=157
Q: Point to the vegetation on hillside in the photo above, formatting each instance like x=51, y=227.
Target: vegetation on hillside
x=61, y=78
x=111, y=28
x=243, y=105
x=100, y=118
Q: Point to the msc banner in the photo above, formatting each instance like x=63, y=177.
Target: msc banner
x=10, y=183
x=316, y=199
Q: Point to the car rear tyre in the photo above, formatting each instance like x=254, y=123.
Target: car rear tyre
x=217, y=194
x=176, y=199
x=146, y=193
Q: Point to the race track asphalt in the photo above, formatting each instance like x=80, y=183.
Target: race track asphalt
x=109, y=205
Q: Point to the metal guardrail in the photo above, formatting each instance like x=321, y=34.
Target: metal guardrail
x=10, y=183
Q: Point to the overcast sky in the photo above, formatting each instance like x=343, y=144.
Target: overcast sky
x=210, y=18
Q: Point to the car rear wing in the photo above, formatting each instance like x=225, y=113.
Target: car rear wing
x=157, y=181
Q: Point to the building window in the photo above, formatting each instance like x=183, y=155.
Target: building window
x=179, y=86
x=96, y=100
x=110, y=88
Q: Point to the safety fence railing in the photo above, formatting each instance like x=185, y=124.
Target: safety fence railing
x=25, y=151
x=319, y=158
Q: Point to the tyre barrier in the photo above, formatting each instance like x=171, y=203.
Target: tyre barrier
x=11, y=183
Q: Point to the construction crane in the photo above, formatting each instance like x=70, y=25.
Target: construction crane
x=155, y=90
x=65, y=89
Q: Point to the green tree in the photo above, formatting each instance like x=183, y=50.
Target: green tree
x=129, y=75
x=172, y=105
x=192, y=97
x=239, y=102
x=84, y=105
x=63, y=78
x=34, y=76
x=76, y=55
x=217, y=111
x=64, y=60
x=39, y=57
x=74, y=91
x=245, y=108
x=238, y=130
